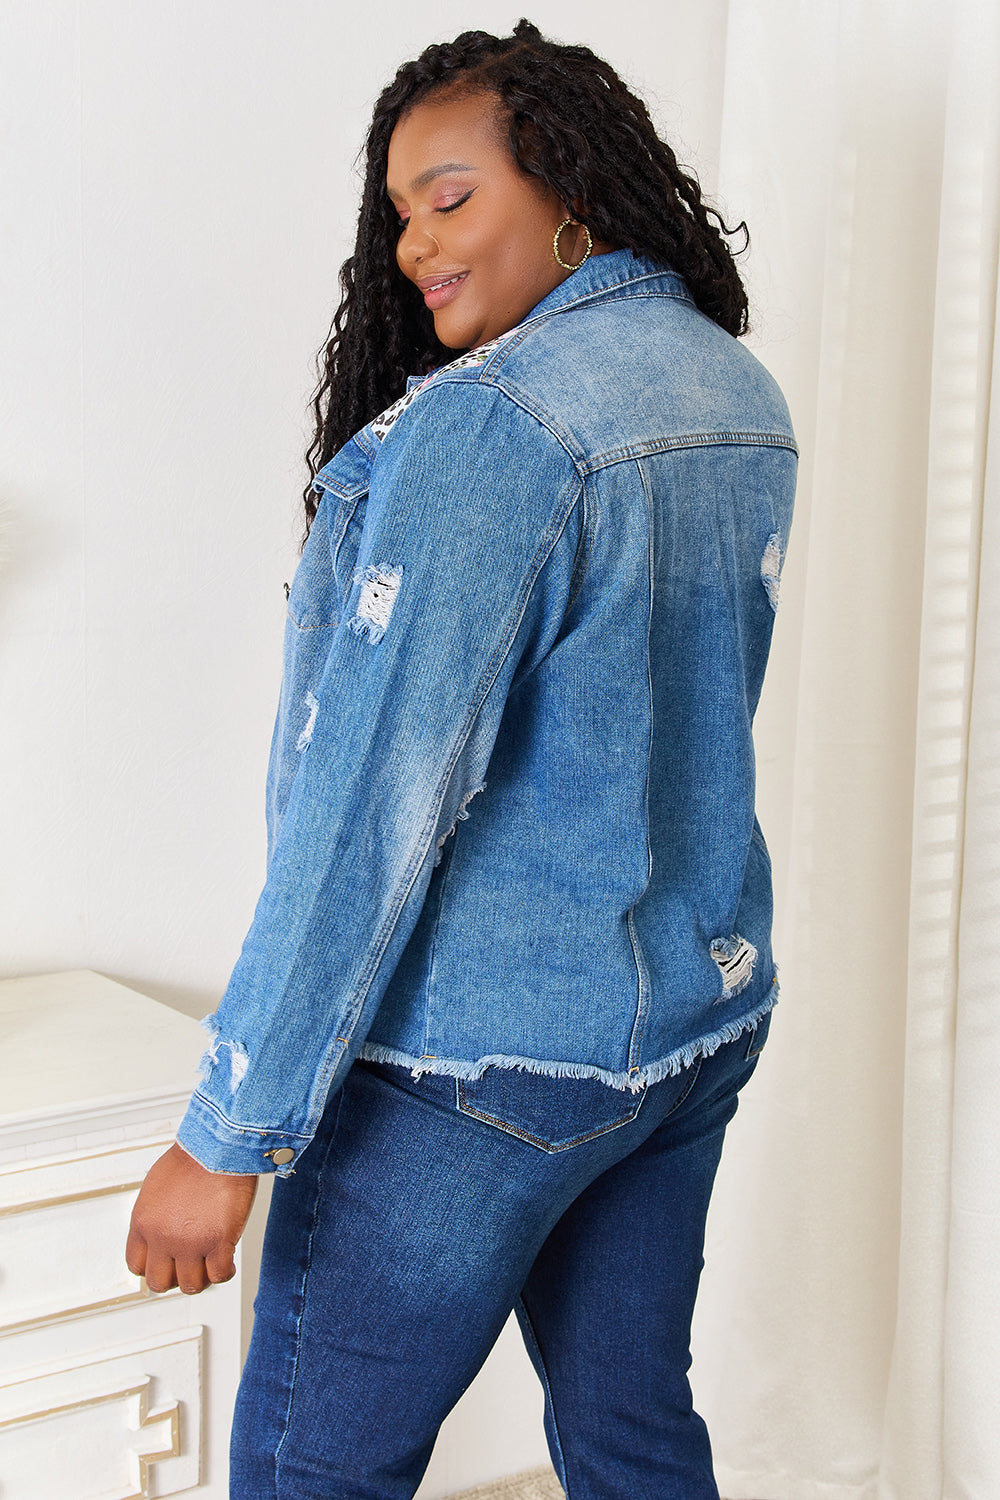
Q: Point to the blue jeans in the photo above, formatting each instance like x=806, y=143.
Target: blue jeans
x=424, y=1211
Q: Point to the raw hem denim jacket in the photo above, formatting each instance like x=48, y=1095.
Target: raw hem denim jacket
x=511, y=788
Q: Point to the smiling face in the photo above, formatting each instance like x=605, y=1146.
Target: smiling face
x=476, y=231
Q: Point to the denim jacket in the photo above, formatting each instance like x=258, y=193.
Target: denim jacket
x=511, y=788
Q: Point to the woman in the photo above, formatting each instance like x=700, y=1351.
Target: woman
x=511, y=963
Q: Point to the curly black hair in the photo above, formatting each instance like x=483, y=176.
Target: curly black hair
x=572, y=123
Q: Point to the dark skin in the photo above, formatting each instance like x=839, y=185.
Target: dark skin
x=470, y=215
x=476, y=237
x=187, y=1223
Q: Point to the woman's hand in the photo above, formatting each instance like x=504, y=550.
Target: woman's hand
x=186, y=1223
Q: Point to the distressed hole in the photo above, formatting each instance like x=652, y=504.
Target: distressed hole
x=770, y=569
x=735, y=957
x=238, y=1064
x=379, y=587
x=239, y=1059
x=310, y=724
x=209, y=1056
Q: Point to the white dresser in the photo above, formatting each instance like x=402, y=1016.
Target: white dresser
x=107, y=1392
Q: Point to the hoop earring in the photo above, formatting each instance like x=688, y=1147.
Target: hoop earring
x=555, y=246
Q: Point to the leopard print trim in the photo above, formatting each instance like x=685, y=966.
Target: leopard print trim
x=381, y=425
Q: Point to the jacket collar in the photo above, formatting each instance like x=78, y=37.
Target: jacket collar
x=619, y=272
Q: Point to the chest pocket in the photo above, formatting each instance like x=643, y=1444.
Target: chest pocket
x=323, y=577
x=345, y=543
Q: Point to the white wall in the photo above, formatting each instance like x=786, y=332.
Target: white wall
x=178, y=199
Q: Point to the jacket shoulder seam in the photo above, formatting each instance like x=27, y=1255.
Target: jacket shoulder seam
x=630, y=451
x=516, y=398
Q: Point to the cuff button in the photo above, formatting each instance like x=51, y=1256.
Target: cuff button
x=282, y=1156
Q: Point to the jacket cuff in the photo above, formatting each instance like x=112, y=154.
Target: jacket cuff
x=222, y=1146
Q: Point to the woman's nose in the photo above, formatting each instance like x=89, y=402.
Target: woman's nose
x=415, y=244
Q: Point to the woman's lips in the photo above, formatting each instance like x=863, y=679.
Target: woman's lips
x=440, y=290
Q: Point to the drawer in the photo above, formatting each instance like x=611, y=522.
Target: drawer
x=121, y=1424
x=62, y=1235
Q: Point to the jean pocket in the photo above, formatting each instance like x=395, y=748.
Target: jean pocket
x=757, y=1037
x=553, y=1114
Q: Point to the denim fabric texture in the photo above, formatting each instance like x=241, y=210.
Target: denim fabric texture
x=511, y=790
x=425, y=1211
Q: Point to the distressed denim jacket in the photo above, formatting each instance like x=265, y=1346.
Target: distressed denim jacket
x=511, y=788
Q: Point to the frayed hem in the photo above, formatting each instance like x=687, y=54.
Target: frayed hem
x=368, y=628
x=633, y=1081
x=460, y=817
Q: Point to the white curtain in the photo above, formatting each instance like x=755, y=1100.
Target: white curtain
x=848, y=1340
x=943, y=1433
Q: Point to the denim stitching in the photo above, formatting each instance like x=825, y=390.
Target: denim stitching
x=326, y=625
x=748, y=1055
x=304, y=1290
x=528, y=1327
x=592, y=464
x=642, y=1007
x=341, y=488
x=537, y=1140
x=519, y=399
x=248, y=1127
x=695, y=1070
x=341, y=526
x=688, y=440
x=446, y=855
x=634, y=1081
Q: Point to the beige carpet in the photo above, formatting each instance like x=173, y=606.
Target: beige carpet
x=533, y=1484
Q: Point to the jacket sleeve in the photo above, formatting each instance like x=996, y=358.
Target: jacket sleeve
x=464, y=572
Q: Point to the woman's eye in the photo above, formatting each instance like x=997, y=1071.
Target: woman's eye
x=449, y=208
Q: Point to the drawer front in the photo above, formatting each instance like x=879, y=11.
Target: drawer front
x=63, y=1225
x=122, y=1425
x=66, y=1257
